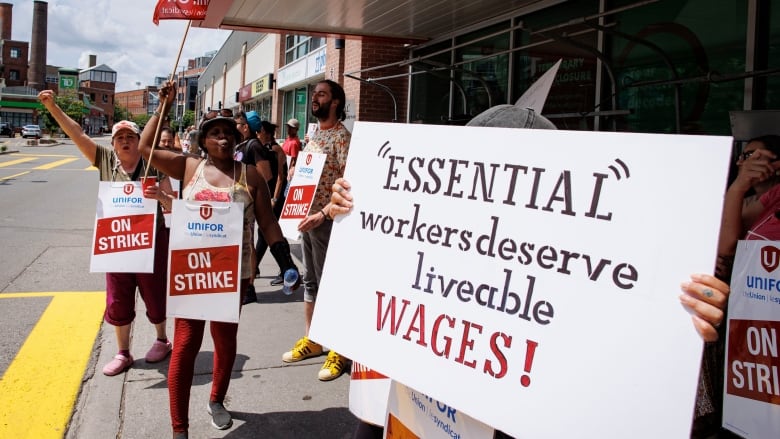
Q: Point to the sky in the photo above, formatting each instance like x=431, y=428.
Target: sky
x=120, y=33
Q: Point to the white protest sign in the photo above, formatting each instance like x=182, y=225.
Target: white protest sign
x=311, y=130
x=411, y=414
x=542, y=275
x=303, y=187
x=751, y=391
x=536, y=95
x=124, y=234
x=368, y=391
x=204, y=260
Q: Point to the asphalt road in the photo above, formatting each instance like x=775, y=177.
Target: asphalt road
x=46, y=218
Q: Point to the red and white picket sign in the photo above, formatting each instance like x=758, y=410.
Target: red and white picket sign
x=412, y=414
x=751, y=394
x=204, y=260
x=301, y=194
x=368, y=391
x=124, y=234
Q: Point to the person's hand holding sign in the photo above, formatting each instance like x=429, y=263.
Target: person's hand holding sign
x=705, y=297
x=340, y=198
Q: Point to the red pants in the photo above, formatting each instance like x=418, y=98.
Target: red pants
x=187, y=339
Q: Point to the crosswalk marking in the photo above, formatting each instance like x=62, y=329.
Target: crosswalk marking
x=22, y=154
x=16, y=162
x=40, y=386
x=55, y=164
x=14, y=176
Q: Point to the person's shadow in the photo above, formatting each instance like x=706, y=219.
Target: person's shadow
x=330, y=423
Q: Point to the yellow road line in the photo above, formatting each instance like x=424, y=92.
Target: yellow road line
x=55, y=164
x=90, y=168
x=40, y=386
x=16, y=162
x=20, y=154
x=15, y=175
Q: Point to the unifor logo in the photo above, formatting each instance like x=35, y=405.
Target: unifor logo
x=129, y=188
x=205, y=211
x=308, y=159
x=770, y=258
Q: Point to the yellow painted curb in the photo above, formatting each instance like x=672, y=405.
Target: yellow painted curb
x=39, y=388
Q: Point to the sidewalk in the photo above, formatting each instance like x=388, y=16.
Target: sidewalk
x=17, y=144
x=267, y=397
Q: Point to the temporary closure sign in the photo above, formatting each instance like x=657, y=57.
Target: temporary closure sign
x=528, y=278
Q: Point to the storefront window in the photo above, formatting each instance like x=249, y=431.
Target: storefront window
x=665, y=67
x=772, y=101
x=482, y=70
x=296, y=106
x=431, y=85
x=703, y=40
x=298, y=46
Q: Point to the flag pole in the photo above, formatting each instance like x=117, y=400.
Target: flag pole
x=160, y=118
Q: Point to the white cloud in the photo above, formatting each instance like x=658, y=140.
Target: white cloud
x=120, y=33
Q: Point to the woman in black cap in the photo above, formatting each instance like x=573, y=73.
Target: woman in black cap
x=217, y=177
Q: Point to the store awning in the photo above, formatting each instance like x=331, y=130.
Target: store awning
x=408, y=20
x=20, y=104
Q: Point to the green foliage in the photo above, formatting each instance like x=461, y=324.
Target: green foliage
x=120, y=112
x=141, y=120
x=188, y=119
x=70, y=104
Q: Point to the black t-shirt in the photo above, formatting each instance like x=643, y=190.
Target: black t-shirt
x=253, y=151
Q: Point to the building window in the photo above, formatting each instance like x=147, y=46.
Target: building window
x=16, y=52
x=13, y=75
x=105, y=99
x=298, y=46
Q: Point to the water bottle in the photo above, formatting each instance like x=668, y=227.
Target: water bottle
x=290, y=279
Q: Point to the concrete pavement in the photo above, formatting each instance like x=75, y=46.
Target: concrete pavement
x=267, y=397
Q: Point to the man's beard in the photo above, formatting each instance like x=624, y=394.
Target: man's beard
x=322, y=111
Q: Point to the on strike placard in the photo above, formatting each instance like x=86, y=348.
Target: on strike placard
x=538, y=269
x=204, y=260
x=751, y=400
x=124, y=233
x=303, y=186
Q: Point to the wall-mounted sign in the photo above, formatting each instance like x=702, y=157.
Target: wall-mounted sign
x=68, y=82
x=245, y=93
x=263, y=84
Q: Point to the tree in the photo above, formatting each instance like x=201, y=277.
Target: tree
x=71, y=105
x=121, y=112
x=188, y=119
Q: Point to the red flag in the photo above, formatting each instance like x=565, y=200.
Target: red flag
x=180, y=10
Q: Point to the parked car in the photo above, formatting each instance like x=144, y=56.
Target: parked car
x=6, y=130
x=31, y=131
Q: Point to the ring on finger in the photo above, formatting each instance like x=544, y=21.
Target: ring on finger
x=708, y=292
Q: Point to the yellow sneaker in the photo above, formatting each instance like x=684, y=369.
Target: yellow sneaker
x=333, y=368
x=304, y=348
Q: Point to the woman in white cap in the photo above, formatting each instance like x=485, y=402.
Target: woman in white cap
x=123, y=163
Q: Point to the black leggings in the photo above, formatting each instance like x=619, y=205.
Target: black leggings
x=261, y=245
